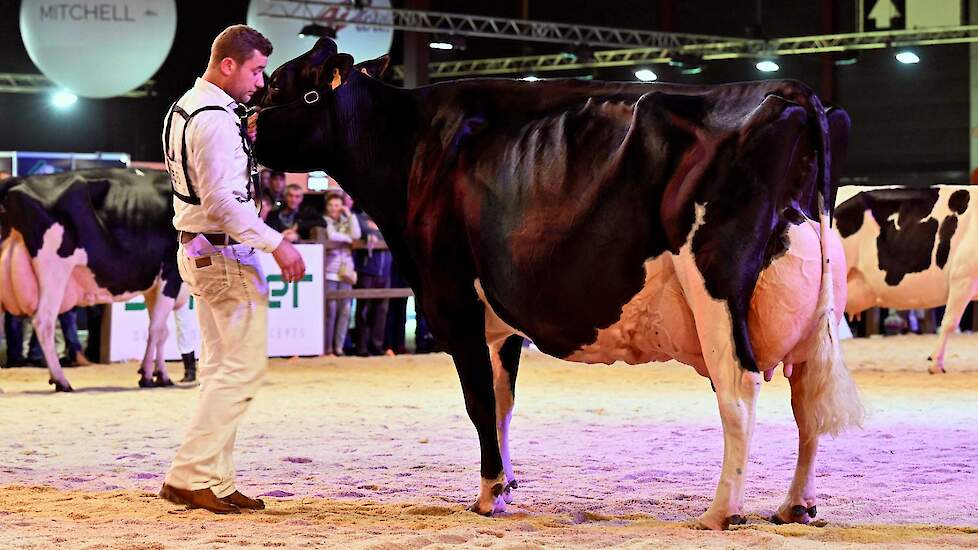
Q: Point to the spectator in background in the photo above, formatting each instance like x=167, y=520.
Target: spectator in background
x=291, y=220
x=276, y=189
x=373, y=267
x=342, y=228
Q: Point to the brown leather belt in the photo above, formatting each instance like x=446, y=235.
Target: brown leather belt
x=216, y=239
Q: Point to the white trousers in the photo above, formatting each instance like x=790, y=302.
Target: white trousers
x=187, y=335
x=232, y=310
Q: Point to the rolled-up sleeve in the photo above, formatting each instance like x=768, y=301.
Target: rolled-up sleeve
x=213, y=141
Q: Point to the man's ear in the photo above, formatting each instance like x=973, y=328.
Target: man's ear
x=375, y=67
x=332, y=73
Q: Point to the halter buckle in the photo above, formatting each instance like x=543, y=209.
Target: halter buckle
x=311, y=97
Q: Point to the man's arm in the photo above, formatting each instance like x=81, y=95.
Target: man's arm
x=213, y=143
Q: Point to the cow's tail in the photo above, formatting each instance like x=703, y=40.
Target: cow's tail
x=831, y=396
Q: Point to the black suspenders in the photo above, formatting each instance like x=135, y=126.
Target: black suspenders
x=191, y=196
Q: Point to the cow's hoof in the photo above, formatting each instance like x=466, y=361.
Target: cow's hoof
x=161, y=382
x=797, y=514
x=933, y=369
x=736, y=519
x=474, y=507
x=508, y=491
x=146, y=383
x=61, y=387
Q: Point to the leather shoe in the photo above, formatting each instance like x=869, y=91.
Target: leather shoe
x=243, y=502
x=201, y=498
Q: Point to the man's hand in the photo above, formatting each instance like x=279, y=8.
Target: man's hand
x=289, y=261
x=291, y=234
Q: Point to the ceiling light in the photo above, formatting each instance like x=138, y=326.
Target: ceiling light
x=767, y=66
x=646, y=75
x=907, y=57
x=318, y=31
x=439, y=45
x=62, y=99
x=530, y=78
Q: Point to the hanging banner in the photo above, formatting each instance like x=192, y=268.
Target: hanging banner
x=295, y=315
x=360, y=41
x=98, y=48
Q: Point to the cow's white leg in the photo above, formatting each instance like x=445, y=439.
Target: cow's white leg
x=799, y=505
x=505, y=356
x=159, y=307
x=737, y=390
x=52, y=271
x=961, y=290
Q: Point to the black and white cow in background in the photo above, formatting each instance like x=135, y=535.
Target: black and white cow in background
x=90, y=237
x=911, y=248
x=604, y=221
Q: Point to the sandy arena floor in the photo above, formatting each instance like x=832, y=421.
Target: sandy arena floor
x=378, y=453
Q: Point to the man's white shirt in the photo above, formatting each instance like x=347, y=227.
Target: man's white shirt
x=217, y=166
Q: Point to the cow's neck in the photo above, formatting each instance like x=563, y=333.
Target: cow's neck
x=374, y=138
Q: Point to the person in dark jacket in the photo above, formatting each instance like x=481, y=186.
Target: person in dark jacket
x=373, y=267
x=292, y=218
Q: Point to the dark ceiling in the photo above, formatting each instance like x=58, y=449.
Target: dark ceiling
x=907, y=119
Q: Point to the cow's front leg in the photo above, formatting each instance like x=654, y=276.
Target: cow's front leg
x=961, y=290
x=505, y=356
x=471, y=355
x=799, y=505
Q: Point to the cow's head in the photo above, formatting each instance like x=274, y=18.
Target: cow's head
x=297, y=120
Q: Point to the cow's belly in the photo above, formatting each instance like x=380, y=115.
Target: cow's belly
x=655, y=325
x=923, y=289
x=82, y=290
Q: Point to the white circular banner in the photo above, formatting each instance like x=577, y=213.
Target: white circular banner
x=362, y=42
x=98, y=48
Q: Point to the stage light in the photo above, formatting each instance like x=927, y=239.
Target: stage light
x=530, y=78
x=907, y=58
x=439, y=45
x=62, y=99
x=646, y=75
x=317, y=31
x=767, y=66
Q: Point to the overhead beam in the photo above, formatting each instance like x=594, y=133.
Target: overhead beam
x=333, y=13
x=23, y=83
x=714, y=51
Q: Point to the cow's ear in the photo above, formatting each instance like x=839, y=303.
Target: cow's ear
x=332, y=73
x=375, y=67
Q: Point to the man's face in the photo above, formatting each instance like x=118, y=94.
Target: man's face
x=246, y=78
x=293, y=198
x=277, y=184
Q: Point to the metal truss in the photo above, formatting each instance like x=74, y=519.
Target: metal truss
x=729, y=49
x=336, y=13
x=21, y=83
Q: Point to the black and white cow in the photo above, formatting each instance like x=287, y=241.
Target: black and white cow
x=605, y=221
x=90, y=237
x=910, y=248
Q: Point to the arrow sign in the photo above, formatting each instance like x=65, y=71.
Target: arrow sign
x=886, y=15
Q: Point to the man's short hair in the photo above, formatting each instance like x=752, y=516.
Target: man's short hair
x=276, y=174
x=333, y=195
x=239, y=42
x=294, y=187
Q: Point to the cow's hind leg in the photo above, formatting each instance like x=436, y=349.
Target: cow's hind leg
x=505, y=357
x=737, y=389
x=962, y=290
x=52, y=271
x=153, y=369
x=799, y=505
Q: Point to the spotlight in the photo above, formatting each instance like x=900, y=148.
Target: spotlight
x=317, y=31
x=530, y=78
x=62, y=99
x=767, y=66
x=646, y=75
x=450, y=42
x=907, y=58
